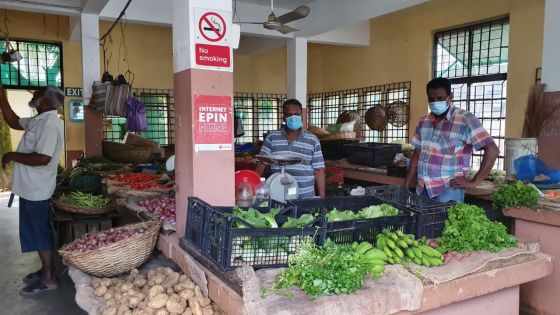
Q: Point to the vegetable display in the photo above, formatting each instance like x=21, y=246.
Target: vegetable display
x=85, y=200
x=160, y=291
x=162, y=207
x=331, y=269
x=95, y=241
x=258, y=250
x=515, y=195
x=467, y=228
x=137, y=181
x=382, y=210
x=403, y=248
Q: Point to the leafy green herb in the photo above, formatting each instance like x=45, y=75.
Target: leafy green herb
x=515, y=195
x=300, y=222
x=331, y=269
x=467, y=228
x=382, y=210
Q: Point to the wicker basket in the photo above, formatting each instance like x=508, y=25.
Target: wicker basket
x=79, y=210
x=117, y=258
x=375, y=118
x=120, y=152
x=398, y=113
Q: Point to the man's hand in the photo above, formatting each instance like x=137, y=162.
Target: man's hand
x=7, y=158
x=462, y=182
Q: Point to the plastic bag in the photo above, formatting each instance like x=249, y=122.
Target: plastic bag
x=136, y=119
x=527, y=167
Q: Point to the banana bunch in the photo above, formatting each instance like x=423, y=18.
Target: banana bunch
x=400, y=247
x=371, y=256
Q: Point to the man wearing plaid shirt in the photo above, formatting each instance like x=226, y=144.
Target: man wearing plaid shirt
x=444, y=140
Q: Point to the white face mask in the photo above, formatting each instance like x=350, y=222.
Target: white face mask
x=35, y=103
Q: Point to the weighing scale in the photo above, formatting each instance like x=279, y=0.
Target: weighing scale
x=281, y=186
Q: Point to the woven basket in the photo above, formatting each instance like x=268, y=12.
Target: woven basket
x=375, y=118
x=78, y=210
x=348, y=116
x=398, y=113
x=117, y=258
x=120, y=152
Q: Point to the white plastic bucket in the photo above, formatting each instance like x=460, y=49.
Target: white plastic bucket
x=516, y=148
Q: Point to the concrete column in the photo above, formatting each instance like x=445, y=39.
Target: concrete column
x=297, y=69
x=551, y=46
x=208, y=175
x=91, y=65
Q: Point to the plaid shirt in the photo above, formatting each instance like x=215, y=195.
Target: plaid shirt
x=446, y=148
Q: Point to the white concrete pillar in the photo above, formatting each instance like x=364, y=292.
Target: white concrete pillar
x=91, y=65
x=551, y=46
x=297, y=69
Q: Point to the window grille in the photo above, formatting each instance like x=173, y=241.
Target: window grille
x=41, y=65
x=475, y=59
x=324, y=108
x=160, y=113
x=259, y=113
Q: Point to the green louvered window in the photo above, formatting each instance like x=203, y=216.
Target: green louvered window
x=41, y=65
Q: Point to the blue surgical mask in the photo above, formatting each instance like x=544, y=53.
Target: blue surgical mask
x=294, y=122
x=439, y=107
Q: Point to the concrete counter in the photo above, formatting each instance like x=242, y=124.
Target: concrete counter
x=491, y=292
x=541, y=296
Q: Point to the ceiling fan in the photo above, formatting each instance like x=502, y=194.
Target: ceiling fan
x=277, y=23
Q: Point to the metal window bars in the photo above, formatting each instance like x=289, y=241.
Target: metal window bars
x=324, y=108
x=41, y=65
x=475, y=59
x=259, y=113
x=160, y=113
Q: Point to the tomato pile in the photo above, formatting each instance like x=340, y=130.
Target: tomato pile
x=137, y=181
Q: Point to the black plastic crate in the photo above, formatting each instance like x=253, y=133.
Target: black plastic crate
x=346, y=232
x=431, y=213
x=372, y=154
x=396, y=171
x=223, y=244
x=334, y=149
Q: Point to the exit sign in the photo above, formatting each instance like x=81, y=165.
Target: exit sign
x=73, y=91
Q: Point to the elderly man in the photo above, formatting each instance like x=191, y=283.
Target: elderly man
x=34, y=179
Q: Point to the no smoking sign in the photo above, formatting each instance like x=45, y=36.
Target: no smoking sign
x=211, y=43
x=212, y=26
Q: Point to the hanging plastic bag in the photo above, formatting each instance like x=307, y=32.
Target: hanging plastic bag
x=238, y=127
x=136, y=119
x=10, y=54
x=529, y=166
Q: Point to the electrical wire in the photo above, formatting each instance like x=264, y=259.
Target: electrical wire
x=116, y=21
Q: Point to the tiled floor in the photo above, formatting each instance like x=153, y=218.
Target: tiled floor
x=16, y=265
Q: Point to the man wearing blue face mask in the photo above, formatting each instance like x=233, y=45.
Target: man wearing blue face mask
x=294, y=140
x=444, y=140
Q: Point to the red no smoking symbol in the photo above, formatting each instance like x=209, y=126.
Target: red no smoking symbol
x=212, y=26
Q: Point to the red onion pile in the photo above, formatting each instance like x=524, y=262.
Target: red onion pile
x=94, y=241
x=162, y=207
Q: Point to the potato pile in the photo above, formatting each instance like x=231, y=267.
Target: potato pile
x=162, y=292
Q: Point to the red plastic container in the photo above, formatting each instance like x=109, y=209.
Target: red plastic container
x=253, y=177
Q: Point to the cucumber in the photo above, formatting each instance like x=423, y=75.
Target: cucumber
x=391, y=244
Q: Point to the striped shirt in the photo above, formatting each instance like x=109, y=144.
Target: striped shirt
x=446, y=148
x=306, y=146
